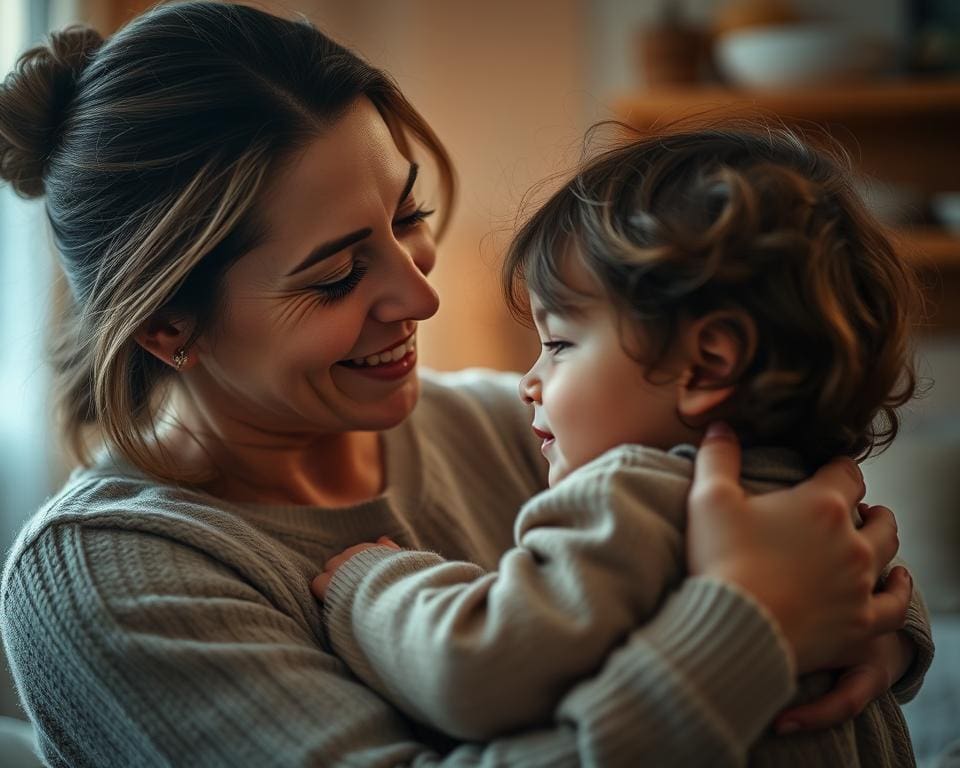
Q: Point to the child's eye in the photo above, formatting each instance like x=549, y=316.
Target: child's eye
x=555, y=347
x=415, y=218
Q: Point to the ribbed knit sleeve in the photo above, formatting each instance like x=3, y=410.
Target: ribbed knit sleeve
x=710, y=670
x=917, y=628
x=124, y=660
x=135, y=650
x=479, y=654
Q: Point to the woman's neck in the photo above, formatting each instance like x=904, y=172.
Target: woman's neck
x=250, y=465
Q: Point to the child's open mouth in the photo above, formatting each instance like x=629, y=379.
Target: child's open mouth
x=545, y=436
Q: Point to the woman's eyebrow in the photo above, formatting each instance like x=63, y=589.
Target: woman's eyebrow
x=408, y=187
x=328, y=249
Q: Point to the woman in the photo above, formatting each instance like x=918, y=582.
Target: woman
x=234, y=198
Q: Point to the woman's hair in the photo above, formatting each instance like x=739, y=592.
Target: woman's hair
x=154, y=149
x=754, y=220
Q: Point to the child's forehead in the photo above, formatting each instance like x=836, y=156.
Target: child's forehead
x=574, y=293
x=561, y=285
x=567, y=280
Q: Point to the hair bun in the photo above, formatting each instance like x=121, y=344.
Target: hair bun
x=33, y=98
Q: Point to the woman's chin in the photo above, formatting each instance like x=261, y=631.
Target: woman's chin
x=390, y=409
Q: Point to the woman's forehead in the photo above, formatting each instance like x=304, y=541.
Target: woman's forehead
x=343, y=180
x=353, y=157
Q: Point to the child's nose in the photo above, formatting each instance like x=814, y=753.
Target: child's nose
x=530, y=388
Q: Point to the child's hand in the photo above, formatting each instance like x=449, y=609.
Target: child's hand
x=879, y=664
x=320, y=584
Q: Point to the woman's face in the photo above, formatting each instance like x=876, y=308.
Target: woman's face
x=318, y=334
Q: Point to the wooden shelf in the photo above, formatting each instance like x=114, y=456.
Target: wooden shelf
x=901, y=131
x=930, y=249
x=899, y=99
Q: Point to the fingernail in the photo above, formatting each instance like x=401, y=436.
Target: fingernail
x=788, y=727
x=719, y=429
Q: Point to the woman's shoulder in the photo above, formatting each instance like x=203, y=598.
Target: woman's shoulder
x=111, y=497
x=478, y=397
x=496, y=390
x=478, y=410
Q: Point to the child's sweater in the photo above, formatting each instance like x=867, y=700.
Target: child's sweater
x=151, y=625
x=479, y=653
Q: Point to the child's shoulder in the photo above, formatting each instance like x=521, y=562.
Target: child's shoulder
x=675, y=464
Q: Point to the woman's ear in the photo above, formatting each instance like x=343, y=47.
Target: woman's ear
x=166, y=339
x=718, y=347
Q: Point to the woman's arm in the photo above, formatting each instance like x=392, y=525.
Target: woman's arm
x=135, y=649
x=707, y=651
x=594, y=557
x=129, y=648
x=132, y=649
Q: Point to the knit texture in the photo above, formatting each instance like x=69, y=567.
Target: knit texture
x=594, y=558
x=152, y=625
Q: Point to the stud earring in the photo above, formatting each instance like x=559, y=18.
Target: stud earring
x=180, y=358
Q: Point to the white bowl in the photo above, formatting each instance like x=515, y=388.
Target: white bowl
x=895, y=205
x=794, y=54
x=946, y=207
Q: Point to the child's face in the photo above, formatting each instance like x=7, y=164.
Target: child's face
x=588, y=394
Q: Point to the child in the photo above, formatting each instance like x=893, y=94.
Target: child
x=674, y=281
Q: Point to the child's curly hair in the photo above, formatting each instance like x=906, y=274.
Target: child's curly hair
x=682, y=224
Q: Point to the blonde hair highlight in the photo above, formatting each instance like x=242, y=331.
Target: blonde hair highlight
x=130, y=252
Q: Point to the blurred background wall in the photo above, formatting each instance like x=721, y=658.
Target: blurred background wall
x=510, y=87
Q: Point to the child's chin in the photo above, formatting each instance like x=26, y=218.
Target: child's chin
x=555, y=475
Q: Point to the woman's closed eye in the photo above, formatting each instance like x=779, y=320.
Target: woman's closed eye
x=332, y=290
x=337, y=289
x=413, y=220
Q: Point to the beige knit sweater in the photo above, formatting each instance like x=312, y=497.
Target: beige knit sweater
x=150, y=625
x=594, y=558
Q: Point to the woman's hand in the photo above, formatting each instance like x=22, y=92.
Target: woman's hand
x=797, y=552
x=875, y=667
x=321, y=583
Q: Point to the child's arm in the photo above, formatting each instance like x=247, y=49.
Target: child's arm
x=477, y=654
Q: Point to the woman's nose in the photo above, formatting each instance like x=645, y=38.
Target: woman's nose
x=530, y=388
x=408, y=294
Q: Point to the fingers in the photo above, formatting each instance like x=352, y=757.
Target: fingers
x=880, y=529
x=854, y=690
x=717, y=469
x=840, y=476
x=321, y=583
x=891, y=603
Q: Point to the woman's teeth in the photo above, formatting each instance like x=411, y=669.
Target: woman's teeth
x=390, y=356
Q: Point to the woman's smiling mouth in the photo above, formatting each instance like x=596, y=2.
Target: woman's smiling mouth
x=391, y=363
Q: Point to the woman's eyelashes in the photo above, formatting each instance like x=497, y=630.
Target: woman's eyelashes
x=330, y=292
x=413, y=219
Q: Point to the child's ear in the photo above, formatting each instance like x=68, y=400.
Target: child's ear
x=164, y=337
x=718, y=347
